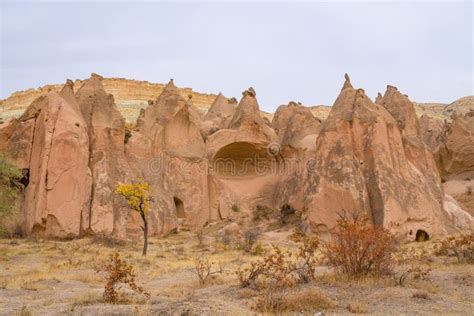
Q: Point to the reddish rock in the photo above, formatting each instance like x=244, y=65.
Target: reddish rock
x=456, y=153
x=368, y=157
x=50, y=140
x=455, y=159
x=378, y=99
x=221, y=111
x=293, y=123
x=168, y=151
x=106, y=128
x=431, y=130
x=360, y=164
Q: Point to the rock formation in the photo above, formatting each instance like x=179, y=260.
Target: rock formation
x=168, y=151
x=364, y=163
x=456, y=154
x=431, y=131
x=74, y=148
x=455, y=158
x=107, y=162
x=293, y=123
x=50, y=141
x=378, y=99
x=219, y=115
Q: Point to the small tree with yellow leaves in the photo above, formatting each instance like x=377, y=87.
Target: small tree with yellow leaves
x=138, y=196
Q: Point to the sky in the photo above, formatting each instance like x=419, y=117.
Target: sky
x=287, y=51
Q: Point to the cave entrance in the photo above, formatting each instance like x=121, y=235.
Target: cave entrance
x=25, y=179
x=421, y=235
x=179, y=207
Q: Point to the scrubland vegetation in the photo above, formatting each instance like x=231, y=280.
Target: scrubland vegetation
x=361, y=269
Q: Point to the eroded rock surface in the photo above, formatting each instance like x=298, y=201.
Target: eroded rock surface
x=455, y=158
x=364, y=162
x=232, y=161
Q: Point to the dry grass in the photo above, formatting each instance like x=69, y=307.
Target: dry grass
x=61, y=273
x=87, y=299
x=420, y=295
x=357, y=307
x=291, y=300
x=363, y=281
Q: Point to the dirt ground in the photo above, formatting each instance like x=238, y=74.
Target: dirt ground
x=44, y=277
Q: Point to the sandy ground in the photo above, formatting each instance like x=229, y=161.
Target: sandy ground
x=58, y=277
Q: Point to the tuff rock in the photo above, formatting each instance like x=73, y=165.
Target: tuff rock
x=223, y=165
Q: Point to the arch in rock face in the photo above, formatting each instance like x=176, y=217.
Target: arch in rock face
x=240, y=159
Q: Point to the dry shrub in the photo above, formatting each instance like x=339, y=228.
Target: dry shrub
x=258, y=249
x=414, y=264
x=417, y=273
x=461, y=247
x=420, y=295
x=304, y=300
x=246, y=293
x=200, y=237
x=357, y=308
x=25, y=311
x=235, y=208
x=118, y=271
x=129, y=128
x=359, y=248
x=250, y=238
x=287, y=214
x=203, y=269
x=262, y=212
x=282, y=268
x=227, y=241
x=306, y=256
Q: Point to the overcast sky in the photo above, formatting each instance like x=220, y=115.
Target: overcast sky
x=286, y=51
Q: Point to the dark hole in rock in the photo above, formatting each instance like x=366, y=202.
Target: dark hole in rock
x=421, y=235
x=179, y=207
x=25, y=180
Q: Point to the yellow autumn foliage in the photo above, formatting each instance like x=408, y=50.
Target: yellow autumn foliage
x=137, y=194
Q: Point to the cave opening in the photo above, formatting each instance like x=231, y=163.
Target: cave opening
x=179, y=206
x=25, y=179
x=421, y=235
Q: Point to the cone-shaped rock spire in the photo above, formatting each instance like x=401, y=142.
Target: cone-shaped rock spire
x=347, y=82
x=248, y=111
x=378, y=99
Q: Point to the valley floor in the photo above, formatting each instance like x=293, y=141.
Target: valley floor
x=39, y=277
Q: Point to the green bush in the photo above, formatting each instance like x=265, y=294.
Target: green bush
x=10, y=186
